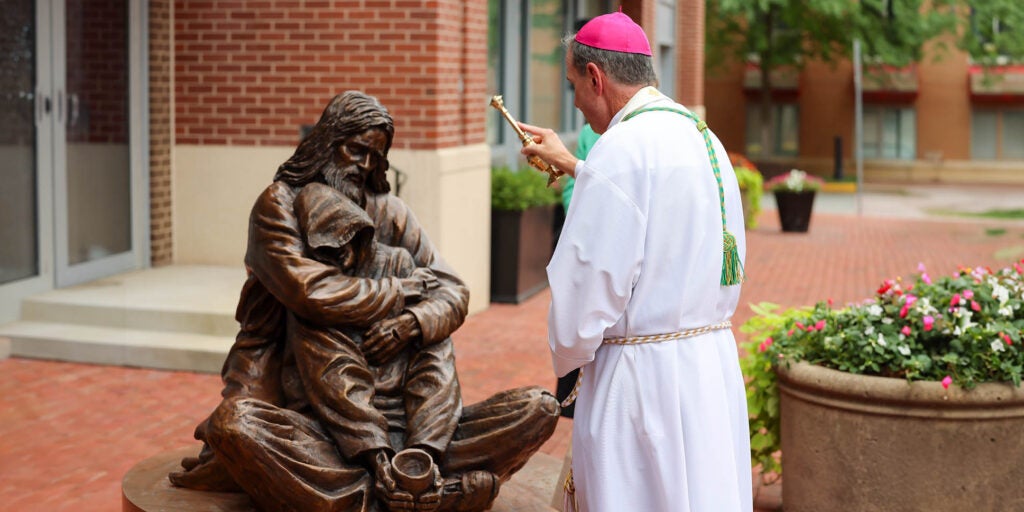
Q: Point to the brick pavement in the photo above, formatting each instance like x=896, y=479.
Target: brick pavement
x=69, y=432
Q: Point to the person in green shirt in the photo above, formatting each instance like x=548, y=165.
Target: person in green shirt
x=583, y=144
x=585, y=141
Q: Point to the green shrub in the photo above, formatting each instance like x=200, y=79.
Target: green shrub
x=751, y=187
x=521, y=189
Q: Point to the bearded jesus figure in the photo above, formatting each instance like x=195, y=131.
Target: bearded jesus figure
x=305, y=436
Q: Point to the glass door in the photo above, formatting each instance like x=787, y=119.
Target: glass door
x=73, y=199
x=92, y=154
x=26, y=233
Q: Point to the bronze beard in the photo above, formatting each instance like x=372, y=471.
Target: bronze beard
x=337, y=178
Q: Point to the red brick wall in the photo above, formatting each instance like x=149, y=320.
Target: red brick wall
x=161, y=137
x=253, y=72
x=690, y=52
x=98, y=70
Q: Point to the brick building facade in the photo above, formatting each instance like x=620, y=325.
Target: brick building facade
x=937, y=121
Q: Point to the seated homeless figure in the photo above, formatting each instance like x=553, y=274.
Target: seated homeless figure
x=312, y=418
x=408, y=390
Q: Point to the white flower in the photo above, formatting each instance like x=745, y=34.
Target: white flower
x=887, y=320
x=966, y=322
x=924, y=306
x=795, y=180
x=881, y=340
x=1001, y=293
x=869, y=330
x=997, y=346
x=905, y=350
x=874, y=310
x=1006, y=311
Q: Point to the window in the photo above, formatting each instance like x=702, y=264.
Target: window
x=545, y=67
x=785, y=127
x=495, y=36
x=665, y=56
x=890, y=132
x=997, y=134
x=525, y=64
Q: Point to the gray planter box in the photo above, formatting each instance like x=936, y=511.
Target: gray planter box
x=521, y=244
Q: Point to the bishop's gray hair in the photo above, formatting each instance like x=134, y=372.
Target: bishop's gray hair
x=624, y=68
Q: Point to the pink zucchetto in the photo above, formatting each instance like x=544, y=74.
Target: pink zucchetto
x=614, y=32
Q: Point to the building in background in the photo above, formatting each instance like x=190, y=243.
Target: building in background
x=945, y=119
x=138, y=134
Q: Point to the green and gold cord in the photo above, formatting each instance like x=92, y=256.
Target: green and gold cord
x=732, y=269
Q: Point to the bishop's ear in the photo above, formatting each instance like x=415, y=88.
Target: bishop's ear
x=594, y=75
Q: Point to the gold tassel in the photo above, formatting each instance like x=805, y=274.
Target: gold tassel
x=732, y=269
x=569, y=503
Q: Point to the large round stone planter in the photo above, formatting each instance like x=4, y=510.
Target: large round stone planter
x=856, y=443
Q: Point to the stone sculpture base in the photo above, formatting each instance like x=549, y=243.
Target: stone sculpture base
x=145, y=488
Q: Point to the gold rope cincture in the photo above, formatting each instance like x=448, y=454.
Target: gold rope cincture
x=732, y=267
x=569, y=502
x=640, y=340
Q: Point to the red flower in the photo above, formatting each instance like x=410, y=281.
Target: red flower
x=886, y=286
x=929, y=321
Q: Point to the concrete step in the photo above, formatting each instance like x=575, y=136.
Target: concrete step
x=129, y=316
x=186, y=299
x=117, y=346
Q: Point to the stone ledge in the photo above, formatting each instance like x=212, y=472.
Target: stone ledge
x=145, y=488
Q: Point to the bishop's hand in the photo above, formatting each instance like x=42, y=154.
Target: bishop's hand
x=549, y=147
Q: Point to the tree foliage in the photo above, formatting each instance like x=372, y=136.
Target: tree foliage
x=790, y=33
x=993, y=32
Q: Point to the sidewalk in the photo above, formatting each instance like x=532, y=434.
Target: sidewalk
x=69, y=432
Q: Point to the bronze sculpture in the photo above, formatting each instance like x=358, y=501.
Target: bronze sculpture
x=340, y=392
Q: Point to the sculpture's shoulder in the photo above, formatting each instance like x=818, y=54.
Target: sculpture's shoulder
x=278, y=195
x=388, y=207
x=278, y=191
x=391, y=216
